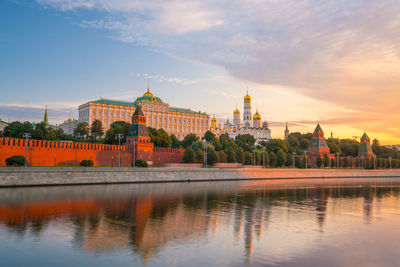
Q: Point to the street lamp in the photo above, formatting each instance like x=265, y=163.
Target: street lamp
x=26, y=136
x=254, y=156
x=119, y=136
x=390, y=162
x=338, y=159
x=263, y=156
x=205, y=148
x=294, y=159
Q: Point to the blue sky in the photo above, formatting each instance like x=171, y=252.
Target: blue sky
x=336, y=62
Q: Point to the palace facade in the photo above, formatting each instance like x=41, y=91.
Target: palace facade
x=251, y=124
x=177, y=121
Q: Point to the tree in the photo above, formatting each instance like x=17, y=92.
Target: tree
x=189, y=139
x=326, y=160
x=345, y=162
x=43, y=132
x=159, y=137
x=245, y=141
x=319, y=161
x=117, y=127
x=248, y=158
x=209, y=136
x=275, y=145
x=272, y=159
x=212, y=156
x=280, y=158
x=266, y=158
x=333, y=163
x=304, y=143
x=217, y=144
x=175, y=141
x=189, y=155
x=222, y=156
x=200, y=155
x=81, y=130
x=225, y=141
x=239, y=155
x=96, y=130
x=230, y=154
x=17, y=129
x=289, y=159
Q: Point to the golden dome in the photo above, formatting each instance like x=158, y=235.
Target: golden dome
x=236, y=111
x=148, y=93
x=213, y=120
x=257, y=116
x=247, y=98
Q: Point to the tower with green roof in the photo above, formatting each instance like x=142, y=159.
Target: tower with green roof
x=138, y=139
x=318, y=146
x=365, y=150
x=46, y=118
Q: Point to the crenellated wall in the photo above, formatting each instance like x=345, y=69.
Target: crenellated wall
x=59, y=153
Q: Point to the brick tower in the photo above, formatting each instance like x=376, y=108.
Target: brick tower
x=365, y=150
x=318, y=147
x=138, y=139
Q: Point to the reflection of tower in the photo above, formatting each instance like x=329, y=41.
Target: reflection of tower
x=248, y=232
x=247, y=111
x=321, y=203
x=368, y=201
x=236, y=117
x=286, y=132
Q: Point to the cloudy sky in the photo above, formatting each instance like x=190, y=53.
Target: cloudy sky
x=336, y=62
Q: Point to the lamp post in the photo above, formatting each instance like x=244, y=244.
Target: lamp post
x=390, y=162
x=26, y=136
x=263, y=156
x=254, y=156
x=374, y=162
x=294, y=159
x=119, y=136
x=205, y=148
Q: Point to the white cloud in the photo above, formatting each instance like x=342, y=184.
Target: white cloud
x=339, y=51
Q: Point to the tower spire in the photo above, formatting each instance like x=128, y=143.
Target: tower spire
x=46, y=118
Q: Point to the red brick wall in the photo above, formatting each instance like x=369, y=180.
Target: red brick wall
x=56, y=153
x=163, y=155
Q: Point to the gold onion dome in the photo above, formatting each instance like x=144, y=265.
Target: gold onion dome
x=247, y=97
x=214, y=120
x=148, y=93
x=236, y=111
x=257, y=116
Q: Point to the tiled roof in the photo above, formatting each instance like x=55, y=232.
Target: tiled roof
x=114, y=102
x=184, y=110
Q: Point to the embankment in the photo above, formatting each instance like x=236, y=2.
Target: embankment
x=42, y=176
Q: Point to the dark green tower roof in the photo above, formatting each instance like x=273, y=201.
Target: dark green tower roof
x=46, y=118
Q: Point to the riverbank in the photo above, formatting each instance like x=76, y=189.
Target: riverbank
x=44, y=176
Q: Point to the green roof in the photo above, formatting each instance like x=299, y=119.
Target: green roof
x=365, y=148
x=114, y=102
x=184, y=110
x=365, y=136
x=318, y=143
x=318, y=129
x=148, y=99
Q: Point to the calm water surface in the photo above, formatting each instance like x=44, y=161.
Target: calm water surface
x=326, y=222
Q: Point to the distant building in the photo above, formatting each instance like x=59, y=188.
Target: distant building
x=286, y=132
x=376, y=142
x=365, y=150
x=3, y=125
x=68, y=126
x=177, y=121
x=251, y=124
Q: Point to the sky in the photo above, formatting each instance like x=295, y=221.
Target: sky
x=334, y=62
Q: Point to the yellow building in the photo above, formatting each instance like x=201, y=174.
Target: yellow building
x=177, y=121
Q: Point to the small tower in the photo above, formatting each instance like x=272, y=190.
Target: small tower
x=138, y=139
x=257, y=120
x=365, y=150
x=318, y=143
x=286, y=132
x=46, y=118
x=236, y=117
x=247, y=110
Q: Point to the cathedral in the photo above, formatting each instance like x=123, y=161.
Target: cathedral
x=251, y=124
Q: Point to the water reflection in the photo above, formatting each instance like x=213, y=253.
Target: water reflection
x=262, y=222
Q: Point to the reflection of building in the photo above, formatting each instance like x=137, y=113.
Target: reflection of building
x=365, y=150
x=251, y=124
x=177, y=121
x=68, y=126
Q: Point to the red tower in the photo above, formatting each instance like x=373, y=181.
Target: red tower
x=138, y=139
x=318, y=147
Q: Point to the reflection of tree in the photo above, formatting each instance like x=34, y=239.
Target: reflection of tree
x=146, y=224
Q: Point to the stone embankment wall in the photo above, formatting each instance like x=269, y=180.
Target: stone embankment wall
x=75, y=176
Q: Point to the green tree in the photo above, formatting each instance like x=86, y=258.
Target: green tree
x=217, y=144
x=248, y=158
x=346, y=162
x=81, y=130
x=212, y=156
x=222, y=156
x=280, y=158
x=43, y=132
x=209, y=136
x=333, y=163
x=245, y=141
x=17, y=129
x=239, y=155
x=160, y=138
x=289, y=160
x=189, y=155
x=199, y=155
x=274, y=145
x=266, y=158
x=272, y=159
x=117, y=127
x=225, y=141
x=189, y=139
x=304, y=143
x=326, y=160
x=175, y=141
x=231, y=154
x=96, y=130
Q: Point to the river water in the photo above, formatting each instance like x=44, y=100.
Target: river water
x=316, y=222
